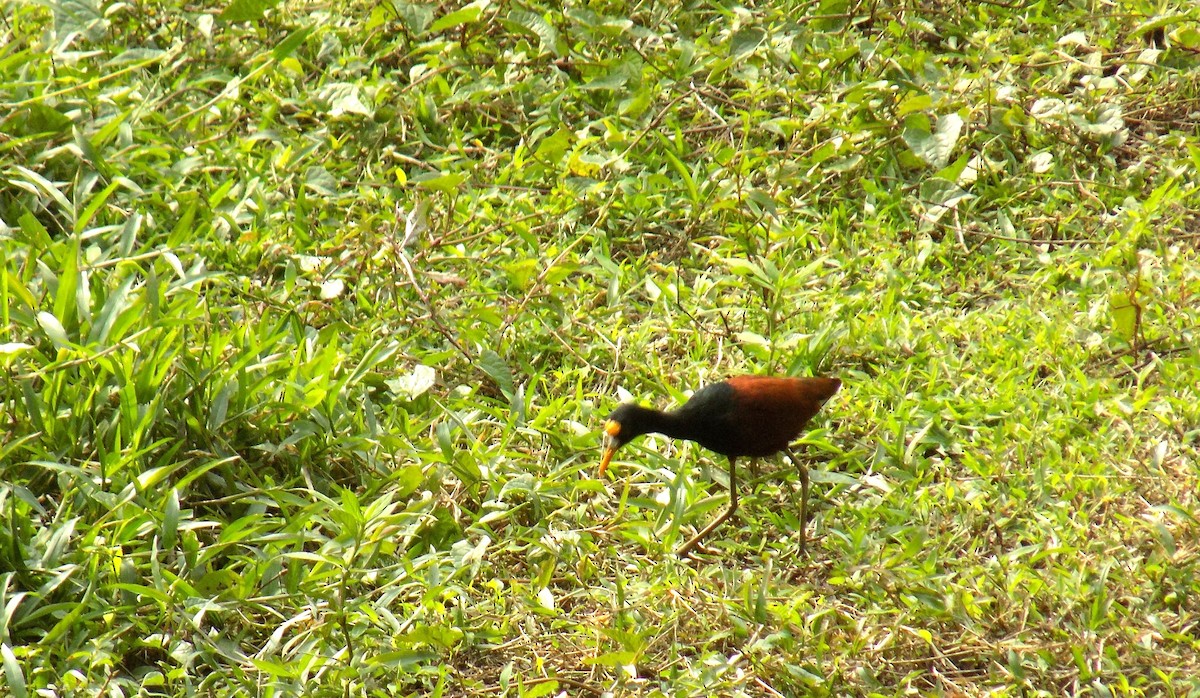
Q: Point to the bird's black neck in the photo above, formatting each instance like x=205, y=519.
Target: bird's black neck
x=649, y=421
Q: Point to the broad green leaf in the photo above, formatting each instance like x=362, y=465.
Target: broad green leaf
x=344, y=98
x=445, y=440
x=468, y=556
x=914, y=103
x=146, y=592
x=553, y=147
x=469, y=14
x=69, y=620
x=137, y=55
x=380, y=352
x=608, y=26
x=495, y=367
x=1165, y=538
x=39, y=119
x=59, y=540
x=940, y=197
x=148, y=479
x=14, y=348
x=558, y=273
x=33, y=406
x=617, y=77
x=13, y=672
x=918, y=134
x=406, y=660
x=832, y=477
x=845, y=164
x=613, y=659
x=933, y=147
x=114, y=305
x=53, y=329
x=832, y=14
x=681, y=170
x=129, y=232
x=443, y=636
x=293, y=41
x=637, y=104
x=535, y=25
x=1106, y=121
x=407, y=480
x=219, y=409
x=954, y=170
x=35, y=232
x=585, y=164
x=1160, y=22
x=246, y=10
x=743, y=267
x=86, y=17
x=1187, y=36
x=522, y=273
x=416, y=223
x=283, y=670
x=1176, y=511
x=746, y=41
x=416, y=16
x=320, y=181
x=1124, y=315
x=752, y=339
x=447, y=183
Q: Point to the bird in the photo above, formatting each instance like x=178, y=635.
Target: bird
x=742, y=416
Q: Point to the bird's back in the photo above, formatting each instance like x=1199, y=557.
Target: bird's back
x=754, y=415
x=773, y=411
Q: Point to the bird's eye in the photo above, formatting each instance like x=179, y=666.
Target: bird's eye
x=612, y=428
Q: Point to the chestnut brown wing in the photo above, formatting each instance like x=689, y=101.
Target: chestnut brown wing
x=771, y=412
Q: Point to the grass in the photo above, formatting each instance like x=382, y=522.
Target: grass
x=311, y=314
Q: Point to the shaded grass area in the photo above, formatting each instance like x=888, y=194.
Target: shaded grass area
x=310, y=318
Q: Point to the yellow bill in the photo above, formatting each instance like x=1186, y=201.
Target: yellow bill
x=609, y=444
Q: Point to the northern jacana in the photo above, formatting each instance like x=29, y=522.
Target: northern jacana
x=745, y=416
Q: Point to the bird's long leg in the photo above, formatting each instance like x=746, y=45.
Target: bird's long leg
x=733, y=499
x=803, y=497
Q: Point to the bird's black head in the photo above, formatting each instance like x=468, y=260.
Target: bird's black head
x=625, y=423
